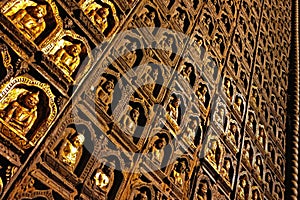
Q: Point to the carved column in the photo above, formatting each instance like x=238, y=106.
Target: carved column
x=292, y=152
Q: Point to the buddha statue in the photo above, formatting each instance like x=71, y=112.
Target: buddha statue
x=22, y=113
x=179, y=173
x=71, y=149
x=104, y=93
x=99, y=17
x=104, y=177
x=157, y=149
x=224, y=172
x=201, y=93
x=227, y=86
x=68, y=58
x=191, y=131
x=130, y=121
x=241, y=188
x=232, y=132
x=211, y=153
x=141, y=195
x=173, y=108
x=30, y=20
x=202, y=191
x=238, y=105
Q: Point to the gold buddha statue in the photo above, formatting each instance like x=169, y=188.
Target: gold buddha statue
x=30, y=20
x=68, y=58
x=22, y=113
x=71, y=149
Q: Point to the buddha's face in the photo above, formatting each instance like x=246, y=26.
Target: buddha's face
x=204, y=90
x=244, y=183
x=169, y=41
x=132, y=46
x=227, y=83
x=161, y=143
x=221, y=111
x=193, y=124
x=154, y=74
x=152, y=15
x=227, y=164
x=31, y=100
x=78, y=141
x=251, y=118
x=39, y=11
x=135, y=114
x=103, y=12
x=182, y=16
x=182, y=166
x=143, y=196
x=247, y=146
x=203, y=188
x=243, y=76
x=233, y=128
x=75, y=50
x=214, y=145
x=176, y=103
x=188, y=70
x=239, y=101
x=109, y=86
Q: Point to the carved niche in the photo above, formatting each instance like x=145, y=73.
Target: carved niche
x=103, y=14
x=70, y=53
x=37, y=20
x=27, y=110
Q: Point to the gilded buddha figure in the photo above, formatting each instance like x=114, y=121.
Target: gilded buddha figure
x=105, y=91
x=71, y=149
x=129, y=122
x=22, y=113
x=212, y=153
x=201, y=93
x=68, y=58
x=241, y=188
x=226, y=87
x=99, y=17
x=238, y=104
x=30, y=20
x=179, y=172
x=191, y=131
x=157, y=149
x=202, y=191
x=232, y=132
x=173, y=108
x=225, y=170
x=104, y=178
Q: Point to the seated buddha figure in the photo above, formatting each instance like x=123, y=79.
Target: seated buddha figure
x=99, y=17
x=202, y=191
x=104, y=178
x=105, y=93
x=179, y=173
x=22, y=113
x=30, y=20
x=71, y=149
x=68, y=58
x=129, y=122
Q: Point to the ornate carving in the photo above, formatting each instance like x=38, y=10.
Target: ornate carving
x=21, y=111
x=103, y=15
x=104, y=177
x=70, y=150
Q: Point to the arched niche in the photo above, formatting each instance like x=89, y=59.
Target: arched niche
x=70, y=46
x=76, y=159
x=103, y=14
x=49, y=24
x=32, y=98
